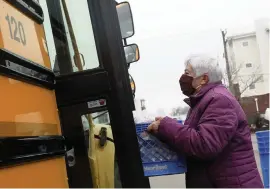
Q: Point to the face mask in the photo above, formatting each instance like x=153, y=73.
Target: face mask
x=186, y=85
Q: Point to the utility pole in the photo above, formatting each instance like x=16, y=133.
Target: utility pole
x=227, y=60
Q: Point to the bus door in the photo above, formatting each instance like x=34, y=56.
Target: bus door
x=91, y=33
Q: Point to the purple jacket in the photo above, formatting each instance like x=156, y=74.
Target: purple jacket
x=216, y=141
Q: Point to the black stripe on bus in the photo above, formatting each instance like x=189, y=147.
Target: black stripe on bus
x=30, y=8
x=98, y=137
x=17, y=67
x=20, y=150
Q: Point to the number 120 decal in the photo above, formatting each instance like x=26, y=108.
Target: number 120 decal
x=18, y=28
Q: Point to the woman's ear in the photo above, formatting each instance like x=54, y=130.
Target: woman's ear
x=205, y=79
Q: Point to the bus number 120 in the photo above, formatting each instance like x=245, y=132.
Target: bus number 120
x=18, y=27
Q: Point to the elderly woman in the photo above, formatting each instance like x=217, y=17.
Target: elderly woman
x=215, y=137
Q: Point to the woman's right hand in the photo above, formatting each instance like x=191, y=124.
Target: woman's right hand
x=153, y=127
x=158, y=118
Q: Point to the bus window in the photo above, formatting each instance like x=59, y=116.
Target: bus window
x=101, y=117
x=101, y=151
x=61, y=42
x=49, y=33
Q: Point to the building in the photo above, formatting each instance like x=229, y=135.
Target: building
x=248, y=55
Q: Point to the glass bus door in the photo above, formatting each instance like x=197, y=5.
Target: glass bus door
x=87, y=31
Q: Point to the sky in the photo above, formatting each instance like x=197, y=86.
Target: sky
x=168, y=31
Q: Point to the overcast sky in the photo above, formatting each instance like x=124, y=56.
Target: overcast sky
x=168, y=31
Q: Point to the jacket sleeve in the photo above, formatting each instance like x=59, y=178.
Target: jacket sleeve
x=215, y=128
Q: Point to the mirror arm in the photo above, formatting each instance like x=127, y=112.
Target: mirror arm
x=125, y=42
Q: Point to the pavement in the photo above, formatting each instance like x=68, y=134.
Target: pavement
x=178, y=181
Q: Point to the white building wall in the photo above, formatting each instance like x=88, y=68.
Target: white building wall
x=255, y=52
x=241, y=55
x=263, y=41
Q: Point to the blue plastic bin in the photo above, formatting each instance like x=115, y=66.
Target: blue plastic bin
x=158, y=159
x=263, y=146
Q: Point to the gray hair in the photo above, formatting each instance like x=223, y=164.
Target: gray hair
x=204, y=64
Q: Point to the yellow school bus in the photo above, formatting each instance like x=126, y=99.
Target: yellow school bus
x=63, y=61
x=29, y=112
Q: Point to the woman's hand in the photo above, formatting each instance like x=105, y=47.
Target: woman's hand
x=153, y=127
x=158, y=118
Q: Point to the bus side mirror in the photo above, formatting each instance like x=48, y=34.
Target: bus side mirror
x=125, y=19
x=132, y=53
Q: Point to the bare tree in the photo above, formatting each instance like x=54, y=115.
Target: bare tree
x=242, y=81
x=248, y=80
x=237, y=82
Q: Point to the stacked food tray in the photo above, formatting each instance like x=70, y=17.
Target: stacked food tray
x=263, y=145
x=157, y=157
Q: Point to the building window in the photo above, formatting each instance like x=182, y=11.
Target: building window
x=252, y=86
x=248, y=65
x=60, y=42
x=245, y=43
x=143, y=104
